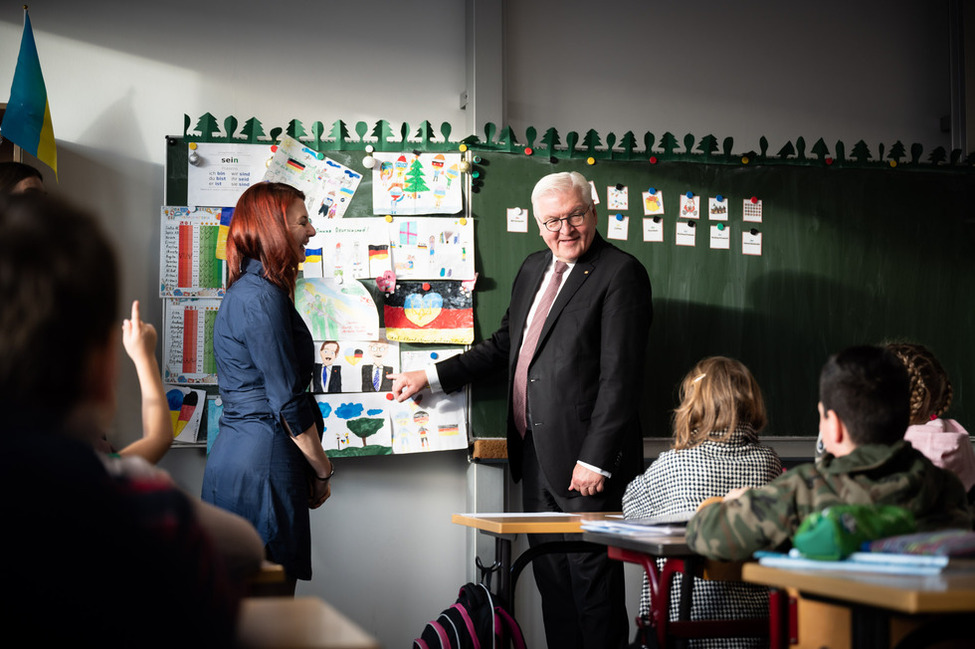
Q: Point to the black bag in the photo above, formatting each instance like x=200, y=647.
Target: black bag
x=477, y=620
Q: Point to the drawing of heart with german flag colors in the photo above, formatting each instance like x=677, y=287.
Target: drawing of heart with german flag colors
x=429, y=312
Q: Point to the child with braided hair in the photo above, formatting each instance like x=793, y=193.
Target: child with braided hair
x=943, y=441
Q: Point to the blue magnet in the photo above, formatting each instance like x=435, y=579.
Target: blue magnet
x=619, y=217
x=719, y=198
x=652, y=191
x=434, y=355
x=690, y=194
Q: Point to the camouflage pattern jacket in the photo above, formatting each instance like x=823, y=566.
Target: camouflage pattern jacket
x=766, y=518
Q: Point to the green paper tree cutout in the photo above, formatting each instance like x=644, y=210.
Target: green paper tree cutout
x=820, y=150
x=339, y=132
x=252, y=130
x=610, y=142
x=361, y=128
x=425, y=132
x=507, y=138
x=207, y=126
x=880, y=152
x=404, y=133
x=383, y=133
x=628, y=143
x=229, y=126
x=648, y=140
x=530, y=135
x=916, y=151
x=763, y=146
x=296, y=129
x=689, y=143
x=937, y=156
x=551, y=140
x=896, y=152
x=786, y=151
x=571, y=139
x=317, y=132
x=668, y=143
x=840, y=149
x=591, y=141
x=861, y=152
x=445, y=131
x=728, y=146
x=364, y=427
x=489, y=130
x=275, y=133
x=800, y=148
x=414, y=179
x=955, y=156
x=708, y=145
x=186, y=124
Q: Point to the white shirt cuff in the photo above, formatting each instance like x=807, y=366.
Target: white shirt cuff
x=594, y=468
x=433, y=379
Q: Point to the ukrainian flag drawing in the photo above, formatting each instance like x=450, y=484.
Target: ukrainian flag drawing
x=313, y=255
x=27, y=121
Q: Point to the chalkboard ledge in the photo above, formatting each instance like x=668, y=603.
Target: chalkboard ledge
x=490, y=449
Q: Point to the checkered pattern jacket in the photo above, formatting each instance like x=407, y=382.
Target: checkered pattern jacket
x=677, y=482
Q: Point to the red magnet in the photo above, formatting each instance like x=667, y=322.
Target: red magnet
x=653, y=159
x=426, y=286
x=528, y=150
x=754, y=200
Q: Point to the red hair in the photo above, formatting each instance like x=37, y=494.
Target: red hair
x=259, y=230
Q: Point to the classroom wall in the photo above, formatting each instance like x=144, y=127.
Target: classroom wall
x=121, y=75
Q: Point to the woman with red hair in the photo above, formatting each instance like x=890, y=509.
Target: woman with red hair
x=268, y=464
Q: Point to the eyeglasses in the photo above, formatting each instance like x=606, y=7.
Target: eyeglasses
x=575, y=220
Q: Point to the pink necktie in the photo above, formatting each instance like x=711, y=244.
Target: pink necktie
x=519, y=391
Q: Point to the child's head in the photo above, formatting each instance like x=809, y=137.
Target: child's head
x=867, y=388
x=59, y=294
x=719, y=394
x=930, y=388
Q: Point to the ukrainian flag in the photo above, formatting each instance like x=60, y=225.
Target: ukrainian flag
x=27, y=121
x=313, y=255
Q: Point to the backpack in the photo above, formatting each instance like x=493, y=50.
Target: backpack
x=477, y=620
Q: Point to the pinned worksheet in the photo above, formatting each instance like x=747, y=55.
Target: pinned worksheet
x=718, y=208
x=334, y=311
x=429, y=421
x=690, y=206
x=619, y=227
x=686, y=233
x=430, y=312
x=517, y=218
x=751, y=242
x=617, y=198
x=720, y=237
x=431, y=247
x=653, y=230
x=348, y=249
x=417, y=183
x=218, y=173
x=356, y=424
x=328, y=185
x=653, y=202
x=188, y=340
x=188, y=241
x=751, y=210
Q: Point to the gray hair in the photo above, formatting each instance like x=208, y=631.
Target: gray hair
x=565, y=181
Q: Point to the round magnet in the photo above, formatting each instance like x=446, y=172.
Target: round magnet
x=653, y=159
x=368, y=162
x=426, y=286
x=552, y=159
x=389, y=396
x=274, y=148
x=590, y=160
x=744, y=160
x=619, y=217
x=721, y=226
x=893, y=163
x=719, y=198
x=754, y=200
x=476, y=159
x=370, y=148
x=652, y=191
x=463, y=221
x=753, y=232
x=192, y=146
x=689, y=194
x=528, y=150
x=829, y=161
x=462, y=148
x=389, y=218
x=434, y=355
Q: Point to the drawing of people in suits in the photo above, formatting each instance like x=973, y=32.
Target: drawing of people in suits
x=375, y=375
x=573, y=343
x=327, y=376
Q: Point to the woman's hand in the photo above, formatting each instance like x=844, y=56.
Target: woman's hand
x=318, y=490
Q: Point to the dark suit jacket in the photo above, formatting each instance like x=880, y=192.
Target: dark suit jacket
x=586, y=379
x=334, y=378
x=386, y=383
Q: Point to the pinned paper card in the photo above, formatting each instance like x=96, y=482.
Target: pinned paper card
x=653, y=203
x=222, y=171
x=356, y=424
x=186, y=407
x=720, y=237
x=333, y=311
x=619, y=227
x=517, y=219
x=354, y=365
x=718, y=208
x=188, y=340
x=410, y=183
x=188, y=242
x=617, y=198
x=327, y=184
x=653, y=230
x=430, y=312
x=686, y=233
x=751, y=242
x=350, y=248
x=432, y=247
x=690, y=206
x=429, y=421
x=595, y=194
x=751, y=210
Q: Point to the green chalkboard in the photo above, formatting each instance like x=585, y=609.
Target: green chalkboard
x=850, y=255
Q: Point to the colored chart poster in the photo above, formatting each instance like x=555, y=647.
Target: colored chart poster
x=336, y=311
x=327, y=184
x=186, y=407
x=406, y=183
x=432, y=248
x=427, y=421
x=188, y=340
x=355, y=424
x=430, y=312
x=222, y=171
x=354, y=365
x=188, y=241
x=349, y=248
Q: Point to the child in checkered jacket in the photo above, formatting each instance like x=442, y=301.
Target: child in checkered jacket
x=715, y=450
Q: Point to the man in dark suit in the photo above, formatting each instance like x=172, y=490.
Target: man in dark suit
x=327, y=376
x=376, y=376
x=573, y=431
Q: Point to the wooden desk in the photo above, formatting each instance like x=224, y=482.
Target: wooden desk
x=874, y=599
x=297, y=623
x=505, y=526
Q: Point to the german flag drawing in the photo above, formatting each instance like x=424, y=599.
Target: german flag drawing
x=430, y=312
